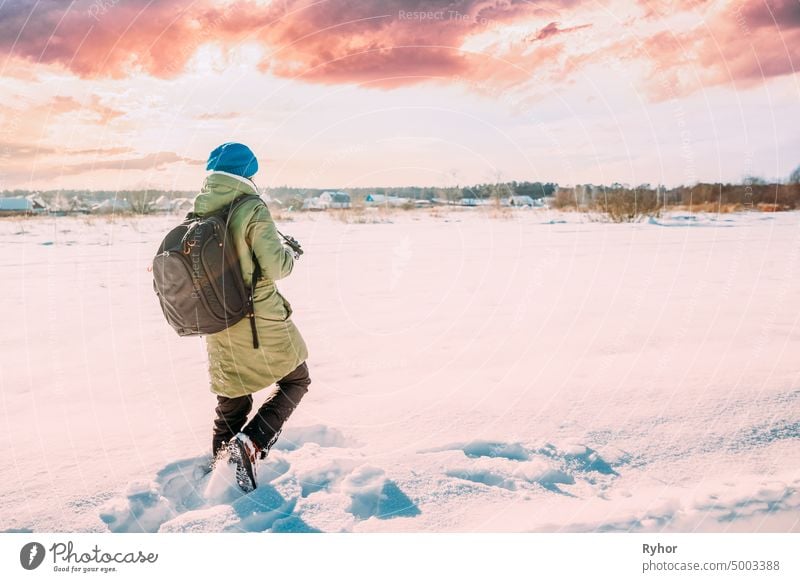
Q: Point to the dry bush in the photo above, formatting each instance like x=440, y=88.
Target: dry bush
x=627, y=204
x=565, y=199
x=748, y=195
x=766, y=207
x=349, y=216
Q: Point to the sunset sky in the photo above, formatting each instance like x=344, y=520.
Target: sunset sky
x=116, y=94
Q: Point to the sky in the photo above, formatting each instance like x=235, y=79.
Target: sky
x=121, y=94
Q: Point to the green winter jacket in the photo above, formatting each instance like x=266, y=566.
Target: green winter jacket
x=235, y=367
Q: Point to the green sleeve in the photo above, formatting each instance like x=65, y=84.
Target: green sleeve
x=275, y=260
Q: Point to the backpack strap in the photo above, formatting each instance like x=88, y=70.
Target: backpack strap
x=251, y=306
x=251, y=312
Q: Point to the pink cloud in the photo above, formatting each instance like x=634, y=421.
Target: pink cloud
x=387, y=43
x=110, y=39
x=329, y=41
x=745, y=44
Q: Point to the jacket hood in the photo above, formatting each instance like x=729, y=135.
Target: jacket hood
x=219, y=190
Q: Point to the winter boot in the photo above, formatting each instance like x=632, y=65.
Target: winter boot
x=243, y=453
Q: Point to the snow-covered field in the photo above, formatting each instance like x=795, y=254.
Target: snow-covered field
x=542, y=372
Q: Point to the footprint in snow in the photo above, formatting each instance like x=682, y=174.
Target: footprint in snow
x=313, y=480
x=514, y=466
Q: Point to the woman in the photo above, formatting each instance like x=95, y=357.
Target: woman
x=236, y=368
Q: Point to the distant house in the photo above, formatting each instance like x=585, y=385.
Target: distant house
x=182, y=205
x=328, y=199
x=9, y=206
x=20, y=205
x=162, y=204
x=110, y=206
x=39, y=205
x=470, y=202
x=381, y=199
x=79, y=205
x=313, y=204
x=59, y=205
x=334, y=199
x=521, y=201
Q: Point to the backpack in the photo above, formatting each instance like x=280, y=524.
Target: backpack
x=197, y=276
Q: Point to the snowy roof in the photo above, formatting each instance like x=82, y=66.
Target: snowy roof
x=109, y=204
x=337, y=196
x=182, y=201
x=36, y=201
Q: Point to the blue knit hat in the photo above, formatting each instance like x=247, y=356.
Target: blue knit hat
x=234, y=158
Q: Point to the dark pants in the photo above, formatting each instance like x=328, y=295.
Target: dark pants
x=263, y=429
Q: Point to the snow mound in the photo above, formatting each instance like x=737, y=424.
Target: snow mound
x=142, y=509
x=316, y=488
x=303, y=486
x=372, y=494
x=750, y=503
x=515, y=467
x=571, y=470
x=692, y=220
x=295, y=437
